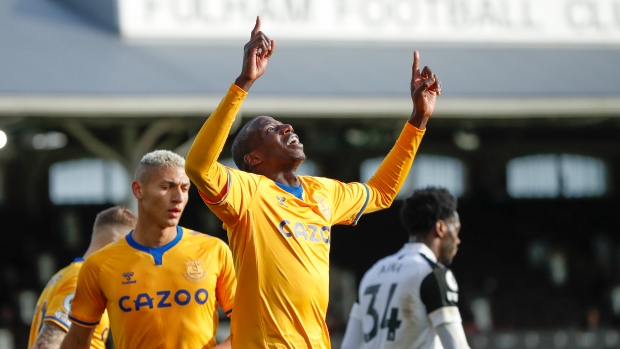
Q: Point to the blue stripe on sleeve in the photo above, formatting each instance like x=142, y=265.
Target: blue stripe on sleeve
x=78, y=321
x=227, y=190
x=357, y=218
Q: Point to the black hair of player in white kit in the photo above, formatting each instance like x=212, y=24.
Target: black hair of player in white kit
x=425, y=207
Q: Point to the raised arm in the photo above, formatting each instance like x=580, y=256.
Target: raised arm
x=390, y=176
x=201, y=164
x=425, y=87
x=256, y=54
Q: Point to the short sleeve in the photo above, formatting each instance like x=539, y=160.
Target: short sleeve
x=227, y=281
x=89, y=302
x=356, y=312
x=59, y=306
x=439, y=293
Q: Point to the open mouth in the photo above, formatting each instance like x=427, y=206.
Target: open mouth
x=294, y=139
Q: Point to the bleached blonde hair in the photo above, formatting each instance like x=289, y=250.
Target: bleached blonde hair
x=164, y=158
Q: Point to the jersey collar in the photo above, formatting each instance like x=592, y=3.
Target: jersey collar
x=296, y=191
x=156, y=252
x=421, y=248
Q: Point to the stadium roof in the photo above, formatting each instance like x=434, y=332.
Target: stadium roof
x=57, y=62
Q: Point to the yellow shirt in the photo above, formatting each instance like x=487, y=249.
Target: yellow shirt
x=280, y=244
x=165, y=297
x=54, y=305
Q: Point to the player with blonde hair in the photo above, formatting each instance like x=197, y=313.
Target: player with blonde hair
x=163, y=283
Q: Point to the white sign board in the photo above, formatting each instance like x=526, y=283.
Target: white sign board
x=495, y=21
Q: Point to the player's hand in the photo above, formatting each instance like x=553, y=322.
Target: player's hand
x=256, y=54
x=425, y=87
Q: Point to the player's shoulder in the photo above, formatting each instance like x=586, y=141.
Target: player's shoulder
x=326, y=187
x=237, y=174
x=202, y=239
x=60, y=277
x=383, y=264
x=110, y=251
x=406, y=256
x=66, y=276
x=439, y=288
x=318, y=182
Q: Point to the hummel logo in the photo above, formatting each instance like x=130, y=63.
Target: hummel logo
x=128, y=276
x=281, y=201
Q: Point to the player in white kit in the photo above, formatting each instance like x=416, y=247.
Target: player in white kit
x=409, y=299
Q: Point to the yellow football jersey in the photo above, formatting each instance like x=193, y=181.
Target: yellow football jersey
x=280, y=243
x=165, y=297
x=54, y=305
x=282, y=247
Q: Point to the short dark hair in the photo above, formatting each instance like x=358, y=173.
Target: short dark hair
x=425, y=207
x=112, y=224
x=115, y=216
x=242, y=145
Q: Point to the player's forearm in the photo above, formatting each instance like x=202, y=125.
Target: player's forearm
x=201, y=160
x=50, y=336
x=391, y=174
x=77, y=338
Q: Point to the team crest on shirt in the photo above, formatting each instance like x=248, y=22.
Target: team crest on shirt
x=66, y=303
x=320, y=201
x=281, y=201
x=194, y=271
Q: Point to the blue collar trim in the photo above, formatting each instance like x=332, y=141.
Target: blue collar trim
x=78, y=259
x=156, y=252
x=296, y=191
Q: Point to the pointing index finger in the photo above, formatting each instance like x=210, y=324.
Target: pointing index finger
x=256, y=26
x=416, y=61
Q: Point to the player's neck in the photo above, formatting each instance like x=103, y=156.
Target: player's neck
x=90, y=251
x=152, y=236
x=284, y=172
x=431, y=242
x=287, y=178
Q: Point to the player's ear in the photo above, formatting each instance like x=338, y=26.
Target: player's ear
x=440, y=228
x=251, y=159
x=136, y=188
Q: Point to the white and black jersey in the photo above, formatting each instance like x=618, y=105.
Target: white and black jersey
x=403, y=299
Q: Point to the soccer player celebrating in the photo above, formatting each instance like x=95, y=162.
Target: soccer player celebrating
x=279, y=223
x=161, y=284
x=51, y=318
x=408, y=300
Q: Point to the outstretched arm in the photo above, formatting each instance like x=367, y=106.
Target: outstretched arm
x=390, y=176
x=201, y=165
